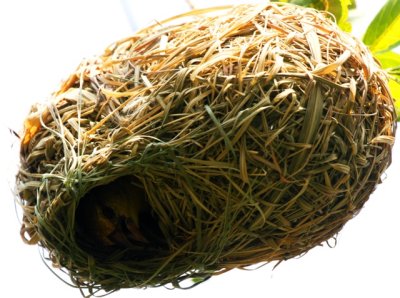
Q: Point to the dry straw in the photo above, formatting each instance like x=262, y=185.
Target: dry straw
x=253, y=133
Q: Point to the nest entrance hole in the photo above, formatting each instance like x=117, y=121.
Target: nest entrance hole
x=117, y=216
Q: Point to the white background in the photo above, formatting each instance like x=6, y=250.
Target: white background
x=43, y=41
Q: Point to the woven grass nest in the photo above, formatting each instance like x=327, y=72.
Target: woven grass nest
x=214, y=140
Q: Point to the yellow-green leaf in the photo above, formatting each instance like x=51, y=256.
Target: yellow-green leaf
x=391, y=62
x=339, y=8
x=384, y=31
x=388, y=59
x=395, y=90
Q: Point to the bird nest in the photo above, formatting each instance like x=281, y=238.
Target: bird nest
x=214, y=140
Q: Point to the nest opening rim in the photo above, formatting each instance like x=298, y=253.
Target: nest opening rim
x=117, y=222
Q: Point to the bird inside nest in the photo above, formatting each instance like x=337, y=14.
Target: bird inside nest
x=117, y=215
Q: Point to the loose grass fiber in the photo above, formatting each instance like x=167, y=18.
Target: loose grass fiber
x=251, y=133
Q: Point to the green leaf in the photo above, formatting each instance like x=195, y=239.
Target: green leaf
x=383, y=32
x=388, y=59
x=353, y=4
